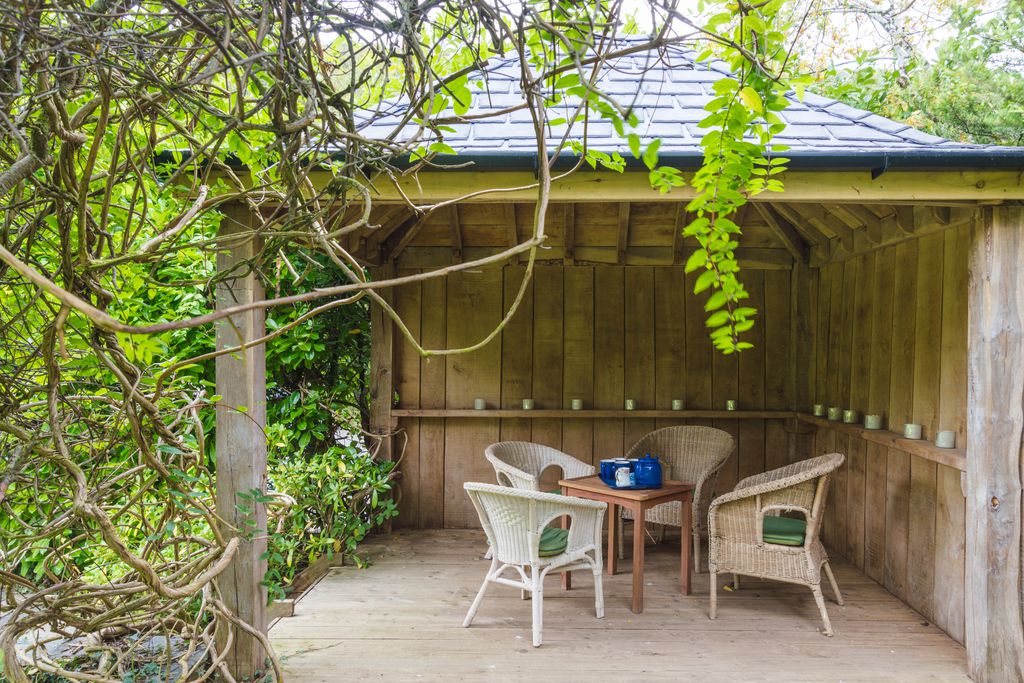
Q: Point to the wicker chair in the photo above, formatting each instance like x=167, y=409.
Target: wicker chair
x=691, y=454
x=514, y=522
x=742, y=543
x=519, y=464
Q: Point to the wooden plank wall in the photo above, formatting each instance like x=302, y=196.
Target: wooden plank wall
x=890, y=331
x=600, y=333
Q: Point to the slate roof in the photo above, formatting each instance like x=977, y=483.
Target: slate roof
x=668, y=91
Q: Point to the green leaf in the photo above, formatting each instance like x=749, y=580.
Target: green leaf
x=697, y=259
x=650, y=157
x=751, y=99
x=634, y=144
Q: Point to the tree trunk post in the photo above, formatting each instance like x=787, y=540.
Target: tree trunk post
x=995, y=426
x=242, y=446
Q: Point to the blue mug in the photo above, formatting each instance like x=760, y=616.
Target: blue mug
x=608, y=469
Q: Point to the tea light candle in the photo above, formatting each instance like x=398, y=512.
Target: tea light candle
x=834, y=413
x=818, y=410
x=677, y=404
x=577, y=404
x=911, y=431
x=730, y=404
x=479, y=404
x=849, y=416
x=872, y=421
x=946, y=438
x=527, y=404
x=630, y=404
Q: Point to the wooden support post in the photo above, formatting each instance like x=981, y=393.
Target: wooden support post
x=995, y=433
x=242, y=446
x=381, y=359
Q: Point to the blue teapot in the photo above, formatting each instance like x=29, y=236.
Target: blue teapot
x=648, y=471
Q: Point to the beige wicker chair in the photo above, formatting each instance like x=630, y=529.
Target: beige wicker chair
x=519, y=464
x=737, y=529
x=691, y=454
x=514, y=521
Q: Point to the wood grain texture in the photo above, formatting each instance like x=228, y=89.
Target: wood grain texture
x=408, y=305
x=241, y=444
x=474, y=308
x=639, y=380
x=609, y=357
x=517, y=355
x=995, y=431
x=345, y=625
x=433, y=375
x=578, y=370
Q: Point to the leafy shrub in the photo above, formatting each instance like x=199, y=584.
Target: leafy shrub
x=339, y=494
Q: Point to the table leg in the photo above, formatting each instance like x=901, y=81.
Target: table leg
x=639, y=531
x=566, y=576
x=686, y=541
x=613, y=526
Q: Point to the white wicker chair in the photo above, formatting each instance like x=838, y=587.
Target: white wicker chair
x=519, y=464
x=514, y=521
x=736, y=526
x=691, y=454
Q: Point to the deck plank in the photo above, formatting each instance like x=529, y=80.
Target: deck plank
x=400, y=619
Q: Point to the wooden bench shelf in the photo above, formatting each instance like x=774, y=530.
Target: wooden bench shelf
x=951, y=457
x=599, y=413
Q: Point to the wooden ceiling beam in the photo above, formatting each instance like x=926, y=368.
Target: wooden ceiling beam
x=825, y=221
x=784, y=230
x=872, y=223
x=405, y=234
x=810, y=232
x=389, y=224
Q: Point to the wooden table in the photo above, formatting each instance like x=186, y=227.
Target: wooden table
x=639, y=501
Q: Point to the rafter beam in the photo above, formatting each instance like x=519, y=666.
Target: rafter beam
x=872, y=223
x=784, y=230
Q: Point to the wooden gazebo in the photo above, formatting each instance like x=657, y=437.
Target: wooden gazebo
x=888, y=281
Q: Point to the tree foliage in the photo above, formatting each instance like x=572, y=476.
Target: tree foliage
x=130, y=129
x=960, y=75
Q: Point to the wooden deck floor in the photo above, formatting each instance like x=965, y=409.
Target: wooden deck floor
x=400, y=620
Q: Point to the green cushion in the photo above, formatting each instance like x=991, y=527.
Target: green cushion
x=553, y=541
x=558, y=491
x=784, y=530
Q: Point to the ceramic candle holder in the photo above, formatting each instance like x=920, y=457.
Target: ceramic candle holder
x=872, y=422
x=677, y=404
x=527, y=404
x=945, y=439
x=630, y=404
x=730, y=404
x=850, y=416
x=834, y=413
x=479, y=404
x=911, y=431
x=818, y=410
x=577, y=404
